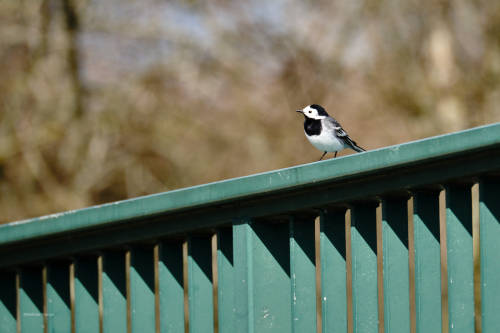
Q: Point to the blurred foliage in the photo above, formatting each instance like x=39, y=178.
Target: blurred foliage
x=106, y=100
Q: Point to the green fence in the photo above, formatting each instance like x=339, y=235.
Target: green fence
x=403, y=238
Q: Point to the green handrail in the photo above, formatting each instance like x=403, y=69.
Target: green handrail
x=244, y=188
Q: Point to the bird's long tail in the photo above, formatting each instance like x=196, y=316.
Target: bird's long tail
x=354, y=146
x=358, y=148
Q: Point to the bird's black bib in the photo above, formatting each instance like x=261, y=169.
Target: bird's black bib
x=312, y=126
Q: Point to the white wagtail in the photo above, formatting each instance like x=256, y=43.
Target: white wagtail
x=324, y=132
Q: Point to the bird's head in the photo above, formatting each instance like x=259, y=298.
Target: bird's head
x=314, y=111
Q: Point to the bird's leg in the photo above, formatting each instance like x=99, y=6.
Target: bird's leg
x=322, y=156
x=335, y=154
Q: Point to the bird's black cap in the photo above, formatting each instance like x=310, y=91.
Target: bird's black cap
x=320, y=109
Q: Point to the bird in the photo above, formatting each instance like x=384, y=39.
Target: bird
x=324, y=132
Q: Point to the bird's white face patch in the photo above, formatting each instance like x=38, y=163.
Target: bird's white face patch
x=312, y=113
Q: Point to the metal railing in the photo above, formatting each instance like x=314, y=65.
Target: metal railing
x=388, y=239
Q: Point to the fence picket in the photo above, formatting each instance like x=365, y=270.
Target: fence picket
x=427, y=261
x=364, y=267
x=114, y=292
x=489, y=220
x=303, y=274
x=396, y=264
x=201, y=306
x=333, y=270
x=86, y=295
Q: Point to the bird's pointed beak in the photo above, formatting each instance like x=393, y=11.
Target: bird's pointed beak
x=299, y=111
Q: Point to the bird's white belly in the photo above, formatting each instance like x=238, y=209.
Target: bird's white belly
x=326, y=142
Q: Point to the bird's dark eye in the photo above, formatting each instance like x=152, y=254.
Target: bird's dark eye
x=309, y=111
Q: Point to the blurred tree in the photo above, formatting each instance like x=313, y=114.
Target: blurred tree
x=106, y=100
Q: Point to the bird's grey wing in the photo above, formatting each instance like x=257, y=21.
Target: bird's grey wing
x=341, y=134
x=334, y=126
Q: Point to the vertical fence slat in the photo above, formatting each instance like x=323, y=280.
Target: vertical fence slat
x=171, y=289
x=395, y=266
x=364, y=267
x=114, y=292
x=333, y=271
x=271, y=268
x=489, y=226
x=427, y=261
x=303, y=274
x=86, y=295
x=31, y=299
x=58, y=297
x=8, y=301
x=225, y=291
x=262, y=283
x=243, y=276
x=200, y=286
x=460, y=260
x=142, y=289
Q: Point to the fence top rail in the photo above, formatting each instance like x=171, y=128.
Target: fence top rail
x=237, y=189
